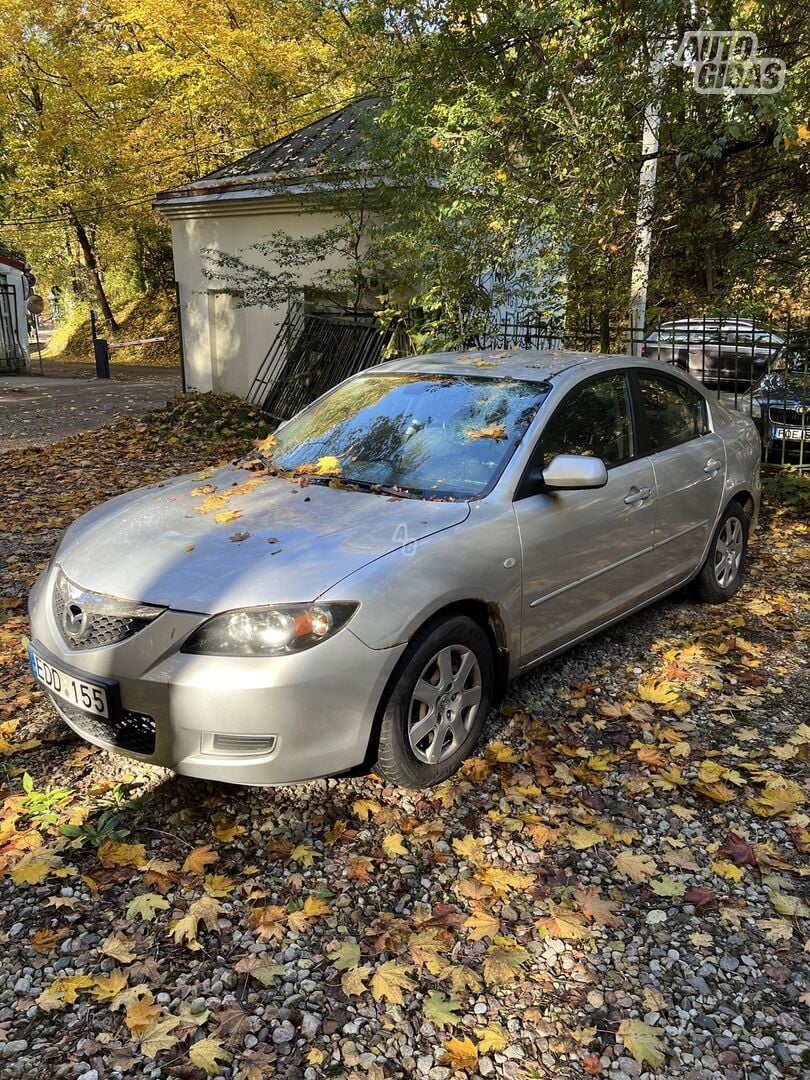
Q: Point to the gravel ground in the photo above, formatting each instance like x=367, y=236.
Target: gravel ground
x=616, y=885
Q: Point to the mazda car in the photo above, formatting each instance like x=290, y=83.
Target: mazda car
x=359, y=589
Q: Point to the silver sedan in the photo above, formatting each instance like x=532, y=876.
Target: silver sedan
x=363, y=586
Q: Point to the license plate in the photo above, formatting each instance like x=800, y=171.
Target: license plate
x=88, y=696
x=797, y=433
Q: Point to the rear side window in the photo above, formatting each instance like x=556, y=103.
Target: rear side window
x=675, y=412
x=594, y=420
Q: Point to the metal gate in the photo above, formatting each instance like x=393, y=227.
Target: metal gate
x=312, y=352
x=12, y=353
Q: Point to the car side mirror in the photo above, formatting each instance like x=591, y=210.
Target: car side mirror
x=573, y=472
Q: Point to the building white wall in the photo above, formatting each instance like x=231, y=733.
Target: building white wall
x=224, y=344
x=10, y=275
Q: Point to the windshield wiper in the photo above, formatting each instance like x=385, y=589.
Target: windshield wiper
x=381, y=489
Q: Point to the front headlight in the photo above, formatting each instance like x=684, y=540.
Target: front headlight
x=270, y=631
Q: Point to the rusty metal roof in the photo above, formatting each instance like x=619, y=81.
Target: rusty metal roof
x=336, y=142
x=331, y=151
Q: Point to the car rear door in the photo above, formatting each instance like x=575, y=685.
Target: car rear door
x=587, y=555
x=689, y=466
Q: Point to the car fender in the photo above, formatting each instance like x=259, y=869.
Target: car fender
x=478, y=560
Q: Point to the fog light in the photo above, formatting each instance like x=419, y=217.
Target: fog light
x=245, y=745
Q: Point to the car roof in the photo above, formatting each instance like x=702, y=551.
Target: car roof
x=699, y=323
x=533, y=365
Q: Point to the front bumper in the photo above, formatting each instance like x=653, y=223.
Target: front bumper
x=312, y=712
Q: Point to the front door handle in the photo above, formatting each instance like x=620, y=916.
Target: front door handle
x=712, y=465
x=636, y=496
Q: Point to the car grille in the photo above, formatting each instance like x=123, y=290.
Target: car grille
x=99, y=623
x=131, y=731
x=791, y=417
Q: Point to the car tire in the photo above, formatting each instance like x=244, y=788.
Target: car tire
x=440, y=695
x=722, y=572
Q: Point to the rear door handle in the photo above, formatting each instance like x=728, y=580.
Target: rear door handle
x=637, y=495
x=712, y=466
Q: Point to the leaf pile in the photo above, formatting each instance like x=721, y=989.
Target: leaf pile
x=634, y=832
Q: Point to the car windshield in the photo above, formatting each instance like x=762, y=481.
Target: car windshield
x=432, y=435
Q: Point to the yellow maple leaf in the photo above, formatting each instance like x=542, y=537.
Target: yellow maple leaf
x=779, y=796
x=365, y=808
x=503, y=961
x=389, y=980
x=141, y=1014
x=209, y=1054
x=35, y=866
x=63, y=991
x=643, y=1042
x=117, y=948
x=205, y=910
x=218, y=885
x=227, y=831
x=354, y=980
x=117, y=853
x=460, y=1055
x=636, y=867
x=158, y=1036
x=562, y=924
x=392, y=845
x=305, y=854
x=728, y=870
x=107, y=987
x=580, y=838
x=658, y=691
x=501, y=880
x=491, y=1039
x=470, y=847
x=482, y=924
x=461, y=978
x=197, y=860
x=145, y=905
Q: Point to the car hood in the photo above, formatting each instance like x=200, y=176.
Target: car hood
x=230, y=538
x=781, y=389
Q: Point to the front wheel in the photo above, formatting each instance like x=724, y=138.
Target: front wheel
x=437, y=705
x=721, y=574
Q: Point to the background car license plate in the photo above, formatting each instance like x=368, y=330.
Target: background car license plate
x=790, y=433
x=84, y=695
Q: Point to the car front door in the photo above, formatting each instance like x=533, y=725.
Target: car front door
x=689, y=463
x=587, y=555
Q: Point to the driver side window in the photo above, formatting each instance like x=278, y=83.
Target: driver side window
x=594, y=420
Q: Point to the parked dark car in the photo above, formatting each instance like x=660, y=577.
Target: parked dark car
x=731, y=352
x=781, y=405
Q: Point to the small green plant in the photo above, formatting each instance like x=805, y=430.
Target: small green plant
x=106, y=827
x=46, y=806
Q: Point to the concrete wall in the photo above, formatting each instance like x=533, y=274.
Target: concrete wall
x=224, y=344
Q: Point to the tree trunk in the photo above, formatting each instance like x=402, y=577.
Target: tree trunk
x=91, y=262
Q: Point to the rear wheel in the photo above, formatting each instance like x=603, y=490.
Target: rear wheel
x=438, y=703
x=721, y=574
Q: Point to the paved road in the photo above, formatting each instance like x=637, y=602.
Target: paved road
x=36, y=410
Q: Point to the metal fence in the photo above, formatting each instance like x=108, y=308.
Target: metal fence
x=758, y=366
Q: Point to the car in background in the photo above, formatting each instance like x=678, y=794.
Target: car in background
x=718, y=352
x=363, y=585
x=781, y=408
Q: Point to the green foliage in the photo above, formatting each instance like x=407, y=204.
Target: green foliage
x=106, y=827
x=44, y=806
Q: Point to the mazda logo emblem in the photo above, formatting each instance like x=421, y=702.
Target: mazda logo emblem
x=74, y=620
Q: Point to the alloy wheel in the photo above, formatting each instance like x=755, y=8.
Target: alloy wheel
x=728, y=552
x=444, y=704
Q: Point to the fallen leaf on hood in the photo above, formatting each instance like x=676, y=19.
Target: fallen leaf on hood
x=227, y=516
